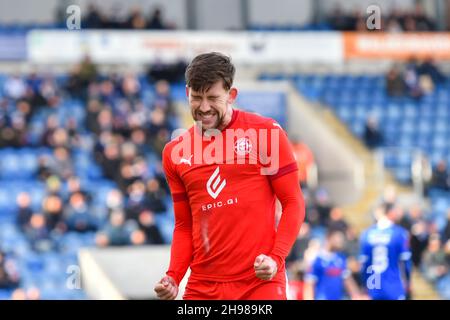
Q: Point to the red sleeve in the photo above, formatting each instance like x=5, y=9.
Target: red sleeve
x=288, y=192
x=285, y=184
x=182, y=248
x=277, y=156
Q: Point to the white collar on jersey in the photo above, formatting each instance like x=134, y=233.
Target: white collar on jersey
x=384, y=223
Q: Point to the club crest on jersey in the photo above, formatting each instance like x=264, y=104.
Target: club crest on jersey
x=243, y=146
x=215, y=184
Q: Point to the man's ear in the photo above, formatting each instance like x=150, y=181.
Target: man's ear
x=233, y=95
x=187, y=91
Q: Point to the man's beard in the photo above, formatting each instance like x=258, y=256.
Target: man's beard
x=197, y=115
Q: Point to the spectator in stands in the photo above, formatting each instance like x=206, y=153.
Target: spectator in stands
x=146, y=222
x=52, y=207
x=413, y=215
x=62, y=165
x=53, y=184
x=116, y=232
x=137, y=201
x=126, y=177
x=87, y=71
x=422, y=172
x=393, y=25
x=44, y=168
x=339, y=20
x=419, y=235
x=163, y=99
x=51, y=125
x=429, y=68
x=13, y=132
x=373, y=137
x=139, y=139
x=131, y=87
x=24, y=211
x=75, y=87
x=49, y=91
x=319, y=213
x=412, y=80
x=440, y=178
x=446, y=232
x=136, y=20
x=74, y=138
x=351, y=242
x=422, y=21
x=110, y=161
x=395, y=84
x=156, y=21
x=161, y=138
x=105, y=120
x=74, y=186
x=158, y=175
x=15, y=87
x=114, y=201
x=94, y=19
x=155, y=196
x=337, y=221
x=38, y=233
x=9, y=277
x=77, y=214
x=434, y=261
x=93, y=110
x=107, y=94
x=34, y=82
x=24, y=111
x=397, y=21
x=300, y=245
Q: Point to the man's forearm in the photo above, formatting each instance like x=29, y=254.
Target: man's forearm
x=290, y=196
x=182, y=248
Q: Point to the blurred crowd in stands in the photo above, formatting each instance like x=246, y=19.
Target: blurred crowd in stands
x=397, y=21
x=125, y=133
x=136, y=18
x=414, y=79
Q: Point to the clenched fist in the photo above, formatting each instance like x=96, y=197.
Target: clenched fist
x=265, y=267
x=166, y=288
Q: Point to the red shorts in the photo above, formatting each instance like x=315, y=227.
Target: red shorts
x=251, y=288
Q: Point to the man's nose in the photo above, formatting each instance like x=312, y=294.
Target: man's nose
x=204, y=106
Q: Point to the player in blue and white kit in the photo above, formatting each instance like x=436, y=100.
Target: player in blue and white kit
x=385, y=258
x=328, y=276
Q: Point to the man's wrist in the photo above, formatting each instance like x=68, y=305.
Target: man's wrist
x=278, y=260
x=174, y=277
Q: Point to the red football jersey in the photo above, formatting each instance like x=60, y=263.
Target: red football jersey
x=232, y=204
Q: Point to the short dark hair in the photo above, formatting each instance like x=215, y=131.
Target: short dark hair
x=208, y=68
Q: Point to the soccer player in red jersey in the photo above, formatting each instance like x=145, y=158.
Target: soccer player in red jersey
x=225, y=174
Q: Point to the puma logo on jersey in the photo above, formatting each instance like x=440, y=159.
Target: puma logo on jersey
x=277, y=125
x=186, y=161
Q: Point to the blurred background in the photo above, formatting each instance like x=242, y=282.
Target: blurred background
x=90, y=94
